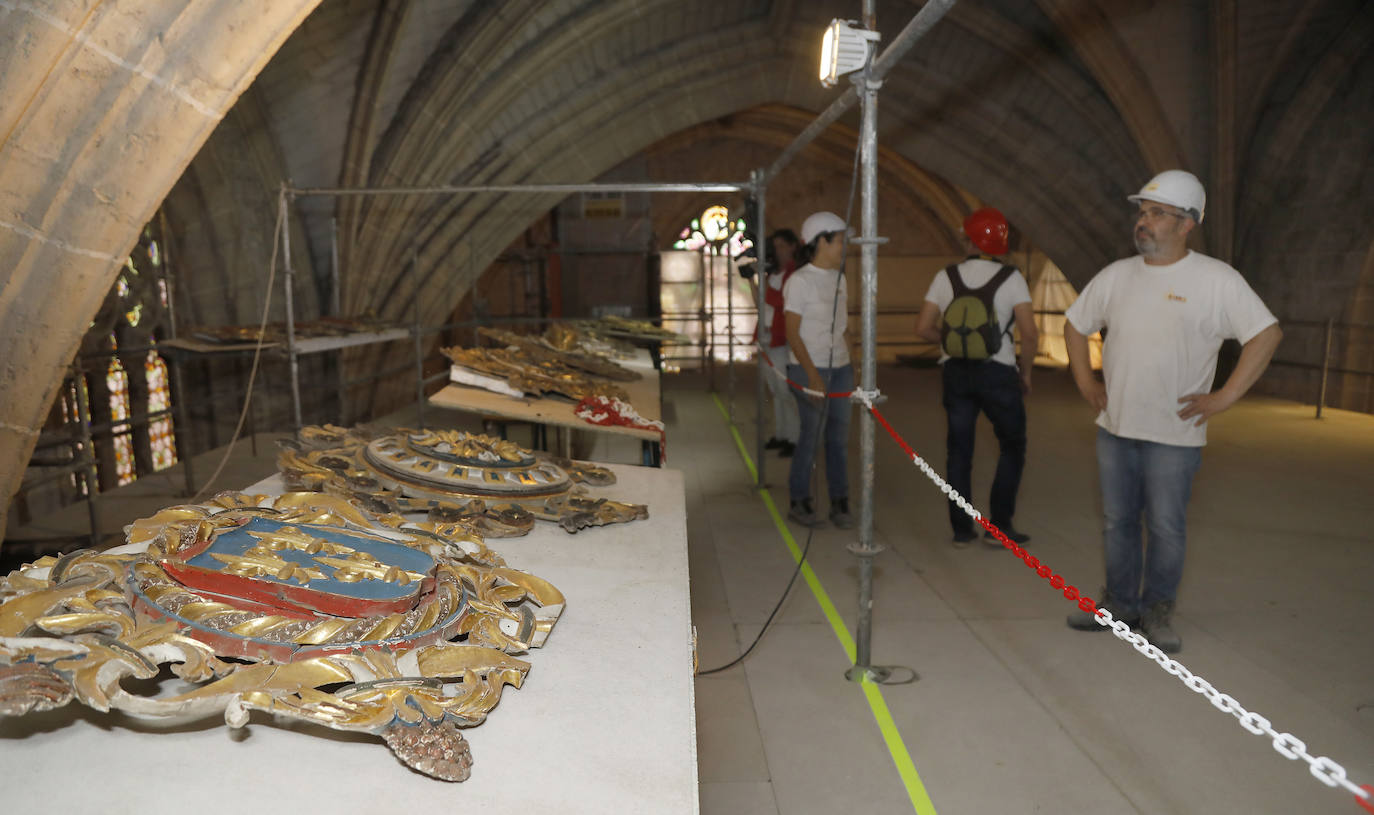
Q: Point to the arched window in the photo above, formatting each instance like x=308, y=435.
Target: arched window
x=715, y=227
x=702, y=296
x=118, y=383
x=160, y=431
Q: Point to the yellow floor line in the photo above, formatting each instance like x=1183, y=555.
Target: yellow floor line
x=916, y=790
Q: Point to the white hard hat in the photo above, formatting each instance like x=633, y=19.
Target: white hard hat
x=819, y=222
x=1178, y=188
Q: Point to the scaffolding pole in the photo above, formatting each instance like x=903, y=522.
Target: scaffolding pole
x=566, y=189
x=761, y=362
x=283, y=217
x=865, y=91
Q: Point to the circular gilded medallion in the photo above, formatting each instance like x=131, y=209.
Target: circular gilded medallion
x=439, y=463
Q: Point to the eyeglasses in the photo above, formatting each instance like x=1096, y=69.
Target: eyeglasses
x=1155, y=213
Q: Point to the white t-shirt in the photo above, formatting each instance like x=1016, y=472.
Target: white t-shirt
x=975, y=272
x=810, y=292
x=1165, y=325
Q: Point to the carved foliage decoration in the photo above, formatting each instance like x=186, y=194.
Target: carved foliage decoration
x=494, y=487
x=299, y=605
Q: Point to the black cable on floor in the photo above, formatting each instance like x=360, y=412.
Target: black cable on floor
x=737, y=660
x=825, y=411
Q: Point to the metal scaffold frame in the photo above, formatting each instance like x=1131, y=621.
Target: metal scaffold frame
x=288, y=194
x=863, y=91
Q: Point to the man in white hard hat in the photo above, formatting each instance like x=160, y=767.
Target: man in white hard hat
x=816, y=311
x=1167, y=309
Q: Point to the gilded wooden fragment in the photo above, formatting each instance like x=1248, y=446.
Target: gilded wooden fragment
x=300, y=605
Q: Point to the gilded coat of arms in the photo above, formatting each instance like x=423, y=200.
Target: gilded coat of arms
x=494, y=485
x=300, y=605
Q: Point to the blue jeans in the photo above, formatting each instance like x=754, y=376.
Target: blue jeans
x=994, y=389
x=836, y=434
x=786, y=426
x=1144, y=477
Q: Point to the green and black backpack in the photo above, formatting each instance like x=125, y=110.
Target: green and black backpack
x=970, y=329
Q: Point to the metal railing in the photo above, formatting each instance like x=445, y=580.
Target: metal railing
x=1329, y=327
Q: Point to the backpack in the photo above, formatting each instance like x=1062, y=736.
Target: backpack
x=970, y=329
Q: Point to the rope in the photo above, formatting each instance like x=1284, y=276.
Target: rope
x=257, y=356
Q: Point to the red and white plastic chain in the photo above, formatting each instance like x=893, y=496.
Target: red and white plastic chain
x=836, y=395
x=1322, y=768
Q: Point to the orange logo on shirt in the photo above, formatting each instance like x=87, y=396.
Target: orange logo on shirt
x=1177, y=298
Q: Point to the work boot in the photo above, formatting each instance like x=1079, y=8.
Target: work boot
x=1155, y=623
x=773, y=443
x=787, y=448
x=839, y=514
x=1086, y=621
x=803, y=513
x=962, y=539
x=1010, y=531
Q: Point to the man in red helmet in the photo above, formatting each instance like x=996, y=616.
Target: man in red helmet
x=970, y=309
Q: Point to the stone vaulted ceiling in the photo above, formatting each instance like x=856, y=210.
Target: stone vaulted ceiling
x=1052, y=110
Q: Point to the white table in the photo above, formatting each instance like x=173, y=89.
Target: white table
x=604, y=723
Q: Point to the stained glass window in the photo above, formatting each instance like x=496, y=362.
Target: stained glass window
x=118, y=382
x=160, y=431
x=714, y=227
x=725, y=298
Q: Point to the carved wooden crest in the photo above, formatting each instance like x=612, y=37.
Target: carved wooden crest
x=497, y=487
x=299, y=605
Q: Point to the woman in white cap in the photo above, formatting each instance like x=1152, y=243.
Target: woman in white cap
x=815, y=302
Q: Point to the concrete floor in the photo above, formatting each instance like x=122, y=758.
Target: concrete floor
x=1013, y=712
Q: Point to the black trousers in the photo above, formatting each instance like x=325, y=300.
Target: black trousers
x=993, y=389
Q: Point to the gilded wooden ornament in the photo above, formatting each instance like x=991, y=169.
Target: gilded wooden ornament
x=533, y=376
x=298, y=605
x=541, y=350
x=495, y=487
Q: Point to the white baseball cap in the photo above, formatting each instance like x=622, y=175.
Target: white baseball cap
x=820, y=222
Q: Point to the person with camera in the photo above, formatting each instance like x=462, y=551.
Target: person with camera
x=816, y=311
x=781, y=263
x=970, y=310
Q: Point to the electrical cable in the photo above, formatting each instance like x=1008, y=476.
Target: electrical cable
x=820, y=426
x=257, y=355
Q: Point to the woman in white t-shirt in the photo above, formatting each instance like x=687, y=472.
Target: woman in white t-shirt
x=816, y=310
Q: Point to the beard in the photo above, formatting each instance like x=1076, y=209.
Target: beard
x=1145, y=242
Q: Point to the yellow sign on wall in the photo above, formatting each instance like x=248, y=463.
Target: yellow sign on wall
x=596, y=206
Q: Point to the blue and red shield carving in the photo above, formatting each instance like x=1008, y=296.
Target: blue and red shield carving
x=304, y=571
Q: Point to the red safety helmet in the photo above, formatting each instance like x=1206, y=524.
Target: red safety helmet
x=987, y=228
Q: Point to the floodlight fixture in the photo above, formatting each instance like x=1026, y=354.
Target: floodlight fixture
x=845, y=48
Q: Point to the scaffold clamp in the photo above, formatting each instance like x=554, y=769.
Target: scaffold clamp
x=868, y=398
